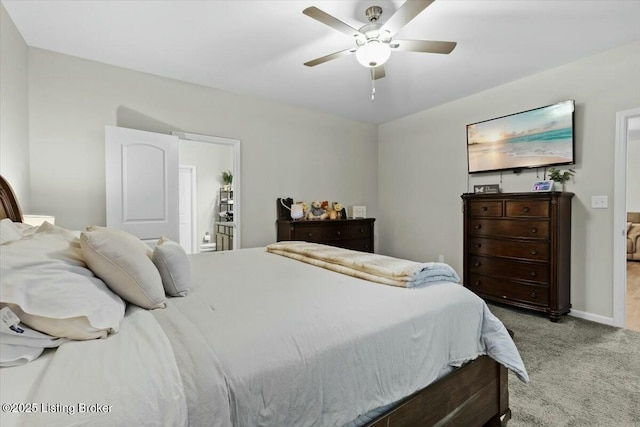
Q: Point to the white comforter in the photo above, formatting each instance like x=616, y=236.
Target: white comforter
x=297, y=345
x=267, y=340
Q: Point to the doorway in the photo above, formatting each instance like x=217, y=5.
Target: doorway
x=209, y=203
x=627, y=135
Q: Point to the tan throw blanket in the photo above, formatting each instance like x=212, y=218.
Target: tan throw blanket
x=364, y=265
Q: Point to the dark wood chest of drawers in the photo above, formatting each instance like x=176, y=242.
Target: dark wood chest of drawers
x=517, y=249
x=354, y=234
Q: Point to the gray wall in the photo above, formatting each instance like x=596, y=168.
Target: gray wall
x=423, y=167
x=14, y=115
x=286, y=151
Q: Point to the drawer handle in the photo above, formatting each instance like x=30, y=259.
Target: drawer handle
x=534, y=274
x=362, y=230
x=477, y=264
x=478, y=245
x=478, y=226
x=534, y=230
x=309, y=234
x=484, y=209
x=533, y=251
x=339, y=233
x=525, y=209
x=478, y=282
x=533, y=295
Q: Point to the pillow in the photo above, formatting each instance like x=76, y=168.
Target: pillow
x=124, y=234
x=174, y=267
x=9, y=232
x=121, y=260
x=49, y=287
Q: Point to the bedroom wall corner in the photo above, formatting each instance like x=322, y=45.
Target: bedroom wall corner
x=14, y=110
x=423, y=167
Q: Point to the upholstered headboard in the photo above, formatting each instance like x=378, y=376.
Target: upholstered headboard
x=633, y=217
x=9, y=207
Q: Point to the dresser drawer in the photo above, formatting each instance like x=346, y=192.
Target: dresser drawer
x=508, y=290
x=538, y=251
x=335, y=232
x=527, y=208
x=485, y=208
x=359, y=231
x=509, y=228
x=535, y=272
x=363, y=245
x=308, y=233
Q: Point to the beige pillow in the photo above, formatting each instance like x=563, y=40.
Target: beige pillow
x=122, y=262
x=174, y=267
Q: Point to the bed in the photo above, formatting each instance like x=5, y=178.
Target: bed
x=263, y=339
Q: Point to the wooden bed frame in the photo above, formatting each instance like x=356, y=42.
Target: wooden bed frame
x=473, y=395
x=9, y=207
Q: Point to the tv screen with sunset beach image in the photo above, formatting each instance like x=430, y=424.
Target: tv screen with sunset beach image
x=531, y=139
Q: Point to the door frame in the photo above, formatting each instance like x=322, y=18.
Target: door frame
x=235, y=145
x=193, y=207
x=620, y=216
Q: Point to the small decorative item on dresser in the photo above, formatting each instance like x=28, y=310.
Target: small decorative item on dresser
x=358, y=212
x=560, y=177
x=542, y=186
x=487, y=188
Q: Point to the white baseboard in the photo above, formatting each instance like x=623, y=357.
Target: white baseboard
x=592, y=317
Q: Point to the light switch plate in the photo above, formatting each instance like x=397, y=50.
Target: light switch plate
x=600, y=202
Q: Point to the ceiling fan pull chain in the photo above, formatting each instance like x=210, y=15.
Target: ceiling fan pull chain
x=373, y=90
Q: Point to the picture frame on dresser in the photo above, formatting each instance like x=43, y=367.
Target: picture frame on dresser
x=517, y=249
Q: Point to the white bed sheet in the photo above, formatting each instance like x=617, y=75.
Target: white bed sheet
x=295, y=344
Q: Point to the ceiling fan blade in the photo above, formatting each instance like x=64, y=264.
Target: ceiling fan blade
x=423, y=46
x=377, y=72
x=409, y=10
x=326, y=58
x=335, y=23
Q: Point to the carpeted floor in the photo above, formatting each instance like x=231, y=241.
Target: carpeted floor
x=581, y=373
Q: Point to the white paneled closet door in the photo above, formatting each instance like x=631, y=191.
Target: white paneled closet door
x=142, y=183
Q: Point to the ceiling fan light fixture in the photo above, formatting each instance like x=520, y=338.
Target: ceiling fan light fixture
x=373, y=53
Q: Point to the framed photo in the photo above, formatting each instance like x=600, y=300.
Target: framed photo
x=358, y=212
x=487, y=188
x=542, y=186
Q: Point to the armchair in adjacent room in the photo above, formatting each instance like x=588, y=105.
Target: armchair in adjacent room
x=633, y=236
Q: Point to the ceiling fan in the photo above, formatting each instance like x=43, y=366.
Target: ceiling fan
x=374, y=41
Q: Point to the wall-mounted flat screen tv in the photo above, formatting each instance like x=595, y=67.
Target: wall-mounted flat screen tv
x=535, y=138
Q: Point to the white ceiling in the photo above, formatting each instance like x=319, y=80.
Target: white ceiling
x=258, y=48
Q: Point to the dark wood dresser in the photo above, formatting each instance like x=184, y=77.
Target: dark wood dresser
x=517, y=249
x=354, y=234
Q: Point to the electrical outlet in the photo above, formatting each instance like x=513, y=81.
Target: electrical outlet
x=599, y=202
